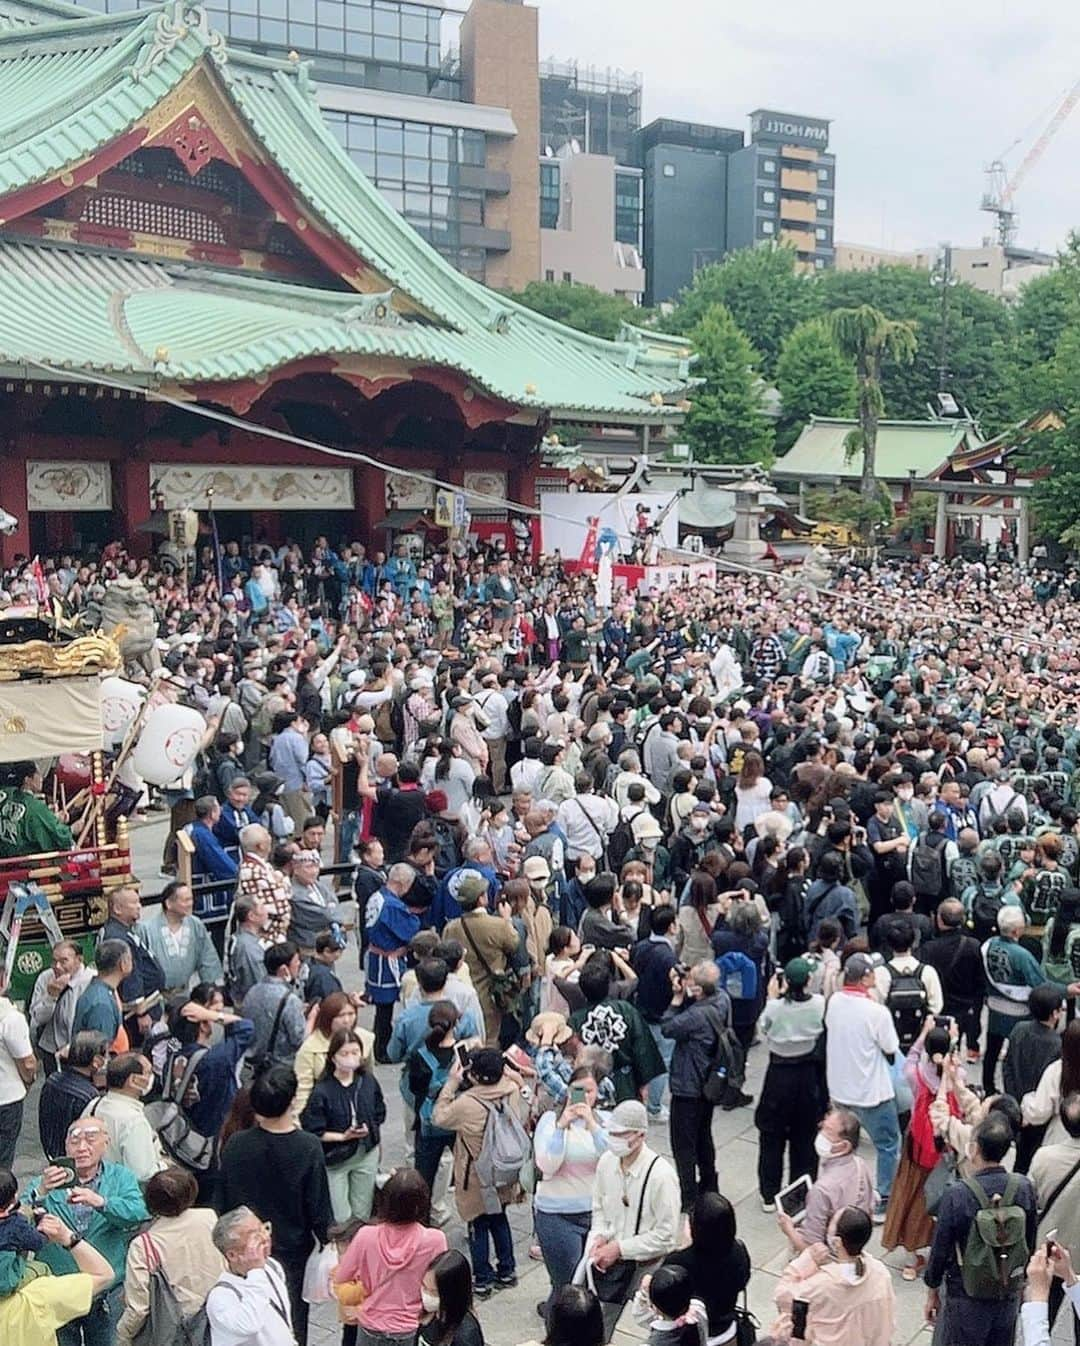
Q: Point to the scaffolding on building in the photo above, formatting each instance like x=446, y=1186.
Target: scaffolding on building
x=598, y=108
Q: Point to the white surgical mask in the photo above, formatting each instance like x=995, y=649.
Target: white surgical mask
x=619, y=1145
x=429, y=1301
x=823, y=1145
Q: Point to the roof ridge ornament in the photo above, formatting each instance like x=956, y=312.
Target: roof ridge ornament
x=372, y=310
x=176, y=20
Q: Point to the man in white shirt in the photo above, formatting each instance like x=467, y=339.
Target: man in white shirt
x=526, y=772
x=18, y=1066
x=249, y=1306
x=133, y=1142
x=860, y=1043
x=997, y=802
x=493, y=705
x=53, y=999
x=635, y=1203
x=630, y=773
x=588, y=820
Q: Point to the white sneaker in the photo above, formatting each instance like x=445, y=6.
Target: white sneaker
x=660, y=1117
x=769, y=1207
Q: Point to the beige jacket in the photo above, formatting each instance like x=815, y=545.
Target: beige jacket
x=191, y=1262
x=466, y=1114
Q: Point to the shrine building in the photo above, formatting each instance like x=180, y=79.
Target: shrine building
x=176, y=218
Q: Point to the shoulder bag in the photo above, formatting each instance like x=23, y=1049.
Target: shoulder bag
x=165, y=1324
x=505, y=986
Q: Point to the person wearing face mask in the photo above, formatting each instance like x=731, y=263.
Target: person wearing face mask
x=860, y=1046
x=649, y=850
x=573, y=902
x=568, y=1144
x=843, y=1179
x=635, y=1212
x=346, y=1110
x=447, y=1300
x=133, y=1142
x=850, y=1299
x=910, y=812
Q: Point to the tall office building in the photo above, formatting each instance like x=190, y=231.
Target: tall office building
x=781, y=186
x=684, y=174
x=708, y=192
x=448, y=136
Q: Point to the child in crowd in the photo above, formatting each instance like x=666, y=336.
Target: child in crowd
x=665, y=1306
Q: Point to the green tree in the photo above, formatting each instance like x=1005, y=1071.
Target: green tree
x=813, y=378
x=1048, y=304
x=979, y=343
x=582, y=307
x=726, y=423
x=762, y=291
x=870, y=339
x=1056, y=383
x=1056, y=497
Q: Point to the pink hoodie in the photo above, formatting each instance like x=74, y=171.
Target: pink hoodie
x=389, y=1260
x=845, y=1309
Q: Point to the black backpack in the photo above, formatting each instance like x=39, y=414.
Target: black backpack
x=448, y=855
x=985, y=905
x=727, y=1069
x=908, y=1004
x=619, y=843
x=928, y=866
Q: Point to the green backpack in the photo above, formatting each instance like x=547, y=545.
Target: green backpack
x=996, y=1252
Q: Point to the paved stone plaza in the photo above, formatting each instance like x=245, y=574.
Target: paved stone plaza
x=510, y=1317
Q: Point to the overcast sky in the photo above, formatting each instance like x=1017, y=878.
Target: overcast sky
x=922, y=94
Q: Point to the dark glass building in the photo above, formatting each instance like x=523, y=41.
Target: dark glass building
x=708, y=192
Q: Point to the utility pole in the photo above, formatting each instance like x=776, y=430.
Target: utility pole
x=943, y=276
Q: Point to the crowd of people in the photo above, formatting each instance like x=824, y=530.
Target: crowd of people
x=595, y=864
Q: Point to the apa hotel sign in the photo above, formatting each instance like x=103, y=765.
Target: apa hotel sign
x=785, y=128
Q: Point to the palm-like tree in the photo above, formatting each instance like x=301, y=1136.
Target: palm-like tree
x=865, y=335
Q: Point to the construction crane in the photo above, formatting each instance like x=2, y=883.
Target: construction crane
x=1001, y=189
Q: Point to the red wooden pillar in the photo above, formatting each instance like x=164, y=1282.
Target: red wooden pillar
x=13, y=500
x=131, y=503
x=521, y=489
x=59, y=530
x=369, y=504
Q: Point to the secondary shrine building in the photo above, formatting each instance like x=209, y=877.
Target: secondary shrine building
x=176, y=217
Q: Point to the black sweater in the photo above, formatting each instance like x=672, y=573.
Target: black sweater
x=467, y=1333
x=283, y=1179
x=716, y=1281
x=332, y=1107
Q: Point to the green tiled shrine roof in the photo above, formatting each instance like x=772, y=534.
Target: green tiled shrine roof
x=71, y=86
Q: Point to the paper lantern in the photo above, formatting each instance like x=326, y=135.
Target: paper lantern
x=120, y=702
x=168, y=744
x=184, y=528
